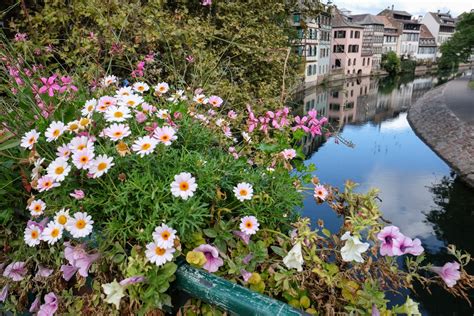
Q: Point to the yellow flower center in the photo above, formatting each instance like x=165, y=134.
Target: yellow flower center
x=141, y=88
x=146, y=146
x=165, y=235
x=47, y=184
x=34, y=234
x=118, y=133
x=162, y=88
x=107, y=103
x=73, y=126
x=31, y=140
x=56, y=133
x=37, y=208
x=89, y=108
x=81, y=147
x=248, y=224
x=118, y=114
x=183, y=186
x=80, y=224
x=101, y=166
x=165, y=138
x=55, y=233
x=243, y=192
x=59, y=170
x=84, y=121
x=84, y=159
x=62, y=219
x=160, y=251
x=131, y=103
x=125, y=93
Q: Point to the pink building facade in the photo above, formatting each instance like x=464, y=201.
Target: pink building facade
x=346, y=47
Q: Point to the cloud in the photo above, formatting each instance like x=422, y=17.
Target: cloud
x=399, y=124
x=419, y=7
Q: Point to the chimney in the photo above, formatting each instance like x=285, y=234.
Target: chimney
x=438, y=11
x=392, y=7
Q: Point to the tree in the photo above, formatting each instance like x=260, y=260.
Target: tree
x=391, y=63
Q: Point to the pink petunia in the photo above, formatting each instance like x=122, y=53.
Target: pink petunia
x=212, y=256
x=245, y=275
x=15, y=271
x=390, y=237
x=79, y=260
x=4, y=293
x=77, y=194
x=449, y=273
x=407, y=245
x=243, y=236
x=50, y=305
x=132, y=280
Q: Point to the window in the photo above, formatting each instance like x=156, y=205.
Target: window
x=309, y=70
x=354, y=62
x=338, y=63
x=353, y=48
x=334, y=106
x=352, y=34
x=363, y=62
x=335, y=94
x=296, y=18
x=338, y=49
x=368, y=62
x=349, y=62
x=299, y=50
x=352, y=93
x=339, y=34
x=300, y=33
x=357, y=34
x=348, y=72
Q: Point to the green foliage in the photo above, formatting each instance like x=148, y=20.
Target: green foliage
x=407, y=66
x=391, y=63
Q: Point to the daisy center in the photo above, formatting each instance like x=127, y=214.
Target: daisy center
x=31, y=140
x=141, y=88
x=80, y=224
x=34, y=234
x=89, y=108
x=56, y=133
x=162, y=89
x=84, y=159
x=146, y=146
x=248, y=224
x=84, y=122
x=125, y=93
x=117, y=134
x=37, y=208
x=131, y=103
x=165, y=138
x=160, y=251
x=55, y=233
x=81, y=147
x=47, y=184
x=101, y=166
x=62, y=219
x=107, y=103
x=118, y=114
x=59, y=170
x=243, y=192
x=184, y=186
x=320, y=192
x=165, y=235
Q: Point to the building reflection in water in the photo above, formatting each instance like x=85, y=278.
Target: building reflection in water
x=359, y=101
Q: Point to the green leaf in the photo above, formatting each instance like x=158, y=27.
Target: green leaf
x=278, y=250
x=211, y=233
x=11, y=143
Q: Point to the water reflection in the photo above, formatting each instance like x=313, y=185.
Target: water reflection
x=416, y=187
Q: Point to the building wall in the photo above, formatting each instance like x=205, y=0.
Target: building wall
x=431, y=24
x=409, y=43
x=350, y=62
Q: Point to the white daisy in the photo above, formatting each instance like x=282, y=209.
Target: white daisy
x=163, y=114
x=37, y=168
x=54, y=130
x=140, y=87
x=79, y=143
x=184, y=185
x=73, y=126
x=161, y=88
x=46, y=183
x=243, y=191
x=36, y=207
x=32, y=235
x=82, y=159
x=29, y=139
x=164, y=236
x=249, y=225
x=131, y=100
x=165, y=135
x=117, y=131
x=108, y=80
x=80, y=225
x=84, y=122
x=105, y=102
x=58, y=169
x=62, y=217
x=117, y=114
x=124, y=91
x=144, y=145
x=52, y=233
x=158, y=255
x=320, y=192
x=177, y=96
x=200, y=98
x=100, y=165
x=89, y=107
x=63, y=151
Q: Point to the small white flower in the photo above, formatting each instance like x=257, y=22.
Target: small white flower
x=165, y=135
x=82, y=159
x=131, y=100
x=80, y=225
x=105, y=102
x=164, y=236
x=73, y=126
x=184, y=185
x=288, y=154
x=62, y=217
x=117, y=131
x=36, y=207
x=320, y=192
x=100, y=165
x=79, y=143
x=246, y=137
x=117, y=113
x=140, y=87
x=159, y=256
x=163, y=114
x=144, y=145
x=353, y=248
x=52, y=233
x=63, y=151
x=89, y=107
x=108, y=80
x=32, y=235
x=243, y=191
x=35, y=173
x=294, y=258
x=200, y=98
x=114, y=292
x=249, y=225
x=46, y=183
x=54, y=130
x=124, y=91
x=29, y=139
x=177, y=96
x=58, y=169
x=161, y=88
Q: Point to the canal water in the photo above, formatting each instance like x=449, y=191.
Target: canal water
x=419, y=192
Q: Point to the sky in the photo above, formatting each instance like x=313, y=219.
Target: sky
x=415, y=7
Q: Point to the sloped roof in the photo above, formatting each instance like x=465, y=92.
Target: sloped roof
x=365, y=19
x=425, y=33
x=392, y=12
x=389, y=23
x=339, y=21
x=443, y=18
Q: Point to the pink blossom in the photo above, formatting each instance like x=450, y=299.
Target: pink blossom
x=35, y=306
x=151, y=128
x=49, y=85
x=247, y=258
x=78, y=259
x=140, y=117
x=390, y=237
x=43, y=272
x=407, y=245
x=206, y=2
x=68, y=271
x=41, y=225
x=449, y=273
x=15, y=271
x=232, y=115
x=132, y=280
x=177, y=115
x=20, y=37
x=190, y=59
x=301, y=124
x=252, y=121
x=243, y=236
x=77, y=194
x=264, y=124
x=50, y=305
x=288, y=154
x=215, y=101
x=4, y=293
x=67, y=84
x=245, y=275
x=212, y=256
x=150, y=57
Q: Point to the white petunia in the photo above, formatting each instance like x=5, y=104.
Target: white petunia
x=29, y=139
x=117, y=114
x=32, y=235
x=62, y=217
x=165, y=135
x=353, y=248
x=164, y=236
x=249, y=225
x=243, y=191
x=117, y=131
x=132, y=100
x=82, y=159
x=144, y=145
x=294, y=258
x=58, y=169
x=161, y=88
x=52, y=233
x=89, y=107
x=80, y=224
x=100, y=165
x=159, y=256
x=184, y=185
x=140, y=87
x=114, y=292
x=36, y=207
x=54, y=130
